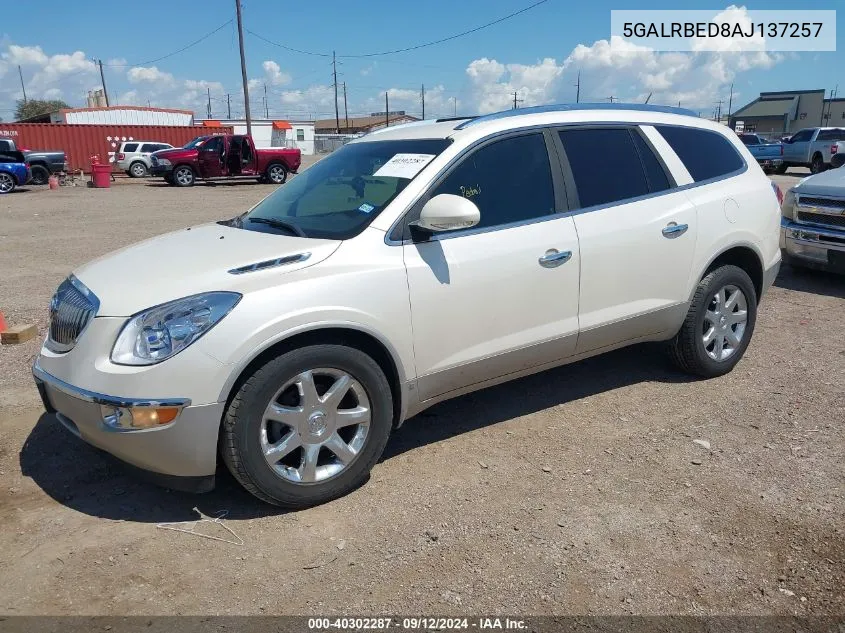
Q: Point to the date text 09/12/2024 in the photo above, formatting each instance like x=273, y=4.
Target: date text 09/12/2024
x=415, y=623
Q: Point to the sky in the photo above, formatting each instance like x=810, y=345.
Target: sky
x=537, y=54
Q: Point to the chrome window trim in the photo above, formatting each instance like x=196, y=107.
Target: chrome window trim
x=570, y=212
x=99, y=398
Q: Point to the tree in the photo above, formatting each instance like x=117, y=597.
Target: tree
x=34, y=107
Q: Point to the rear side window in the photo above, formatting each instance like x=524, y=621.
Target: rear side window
x=611, y=164
x=130, y=147
x=831, y=135
x=705, y=154
x=749, y=139
x=508, y=180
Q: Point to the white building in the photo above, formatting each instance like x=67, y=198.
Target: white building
x=273, y=133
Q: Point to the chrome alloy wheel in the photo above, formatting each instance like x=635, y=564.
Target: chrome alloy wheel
x=724, y=323
x=276, y=174
x=315, y=426
x=7, y=182
x=184, y=176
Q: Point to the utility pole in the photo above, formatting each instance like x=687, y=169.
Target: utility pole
x=386, y=111
x=336, y=112
x=23, y=88
x=730, y=103
x=266, y=106
x=422, y=98
x=719, y=110
x=515, y=100
x=229, y=106
x=578, y=88
x=243, y=68
x=103, y=79
x=345, y=111
x=455, y=100
x=611, y=98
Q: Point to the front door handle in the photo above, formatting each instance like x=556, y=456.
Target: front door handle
x=673, y=229
x=554, y=258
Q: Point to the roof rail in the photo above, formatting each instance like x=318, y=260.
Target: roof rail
x=455, y=118
x=569, y=107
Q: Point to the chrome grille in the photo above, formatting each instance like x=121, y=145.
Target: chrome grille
x=822, y=218
x=823, y=203
x=71, y=310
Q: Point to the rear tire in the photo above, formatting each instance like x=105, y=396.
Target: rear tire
x=183, y=176
x=284, y=479
x=276, y=174
x=40, y=175
x=781, y=169
x=714, y=337
x=817, y=164
x=138, y=169
x=7, y=183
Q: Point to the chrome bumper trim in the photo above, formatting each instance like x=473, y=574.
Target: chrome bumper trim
x=99, y=398
x=812, y=235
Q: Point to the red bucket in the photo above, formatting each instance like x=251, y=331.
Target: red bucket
x=101, y=176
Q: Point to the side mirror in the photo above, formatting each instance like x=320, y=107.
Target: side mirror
x=447, y=212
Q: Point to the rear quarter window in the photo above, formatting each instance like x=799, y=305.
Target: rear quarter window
x=130, y=147
x=705, y=154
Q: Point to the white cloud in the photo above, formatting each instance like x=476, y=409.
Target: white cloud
x=61, y=76
x=149, y=74
x=274, y=73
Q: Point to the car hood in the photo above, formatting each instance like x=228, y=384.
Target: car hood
x=178, y=152
x=827, y=183
x=191, y=261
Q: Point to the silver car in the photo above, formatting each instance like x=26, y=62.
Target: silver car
x=133, y=157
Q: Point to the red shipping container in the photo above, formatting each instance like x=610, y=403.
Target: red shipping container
x=80, y=142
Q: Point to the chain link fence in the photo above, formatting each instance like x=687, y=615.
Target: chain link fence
x=327, y=143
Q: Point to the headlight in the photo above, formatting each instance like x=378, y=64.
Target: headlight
x=787, y=208
x=162, y=161
x=156, y=334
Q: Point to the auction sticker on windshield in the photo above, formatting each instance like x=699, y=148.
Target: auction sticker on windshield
x=404, y=165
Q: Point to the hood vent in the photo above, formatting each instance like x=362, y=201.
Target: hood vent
x=270, y=263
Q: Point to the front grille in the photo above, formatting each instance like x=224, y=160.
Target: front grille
x=71, y=310
x=830, y=203
x=822, y=218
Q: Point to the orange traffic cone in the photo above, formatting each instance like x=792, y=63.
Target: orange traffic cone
x=3, y=326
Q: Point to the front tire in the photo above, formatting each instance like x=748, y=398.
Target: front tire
x=719, y=324
x=183, y=176
x=40, y=175
x=308, y=426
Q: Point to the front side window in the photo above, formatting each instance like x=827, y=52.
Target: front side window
x=339, y=196
x=801, y=137
x=214, y=143
x=508, y=180
x=705, y=154
x=611, y=165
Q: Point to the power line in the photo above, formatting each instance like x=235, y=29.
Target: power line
x=408, y=48
x=181, y=50
x=451, y=37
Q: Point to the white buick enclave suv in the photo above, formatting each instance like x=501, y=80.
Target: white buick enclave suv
x=415, y=264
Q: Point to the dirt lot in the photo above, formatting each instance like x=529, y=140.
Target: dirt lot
x=579, y=490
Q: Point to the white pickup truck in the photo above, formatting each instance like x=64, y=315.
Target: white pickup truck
x=812, y=147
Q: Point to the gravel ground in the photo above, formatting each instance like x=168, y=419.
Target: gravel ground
x=580, y=490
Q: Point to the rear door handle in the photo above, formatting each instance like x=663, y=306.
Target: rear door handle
x=554, y=258
x=673, y=229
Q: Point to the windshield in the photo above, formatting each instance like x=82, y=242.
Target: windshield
x=342, y=193
x=194, y=142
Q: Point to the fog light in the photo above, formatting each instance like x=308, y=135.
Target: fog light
x=130, y=419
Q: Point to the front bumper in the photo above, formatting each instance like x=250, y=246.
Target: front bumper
x=161, y=170
x=181, y=455
x=813, y=246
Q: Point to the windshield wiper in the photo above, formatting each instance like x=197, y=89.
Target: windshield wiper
x=279, y=224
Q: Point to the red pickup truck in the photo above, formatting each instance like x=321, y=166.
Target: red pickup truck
x=224, y=156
